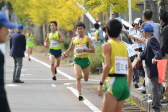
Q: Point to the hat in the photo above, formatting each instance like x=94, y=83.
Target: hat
x=20, y=27
x=148, y=28
x=5, y=22
x=136, y=21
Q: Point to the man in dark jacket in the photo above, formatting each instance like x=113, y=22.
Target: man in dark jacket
x=151, y=54
x=4, y=24
x=17, y=49
x=164, y=49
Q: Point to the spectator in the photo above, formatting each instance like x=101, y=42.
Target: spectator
x=164, y=49
x=105, y=36
x=4, y=24
x=151, y=54
x=147, y=18
x=17, y=49
x=97, y=33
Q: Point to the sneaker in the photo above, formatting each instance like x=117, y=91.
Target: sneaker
x=81, y=98
x=136, y=85
x=163, y=101
x=54, y=78
x=143, y=92
x=142, y=88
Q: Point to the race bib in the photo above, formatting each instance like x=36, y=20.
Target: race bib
x=54, y=43
x=81, y=47
x=121, y=65
x=29, y=40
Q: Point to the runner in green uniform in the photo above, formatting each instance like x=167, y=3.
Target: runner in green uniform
x=82, y=45
x=116, y=66
x=53, y=41
x=29, y=42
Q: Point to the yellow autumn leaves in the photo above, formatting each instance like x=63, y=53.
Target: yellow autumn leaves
x=119, y=6
x=65, y=12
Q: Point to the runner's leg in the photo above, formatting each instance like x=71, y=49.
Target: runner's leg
x=78, y=74
x=119, y=106
x=52, y=60
x=57, y=64
x=109, y=103
x=31, y=50
x=86, y=73
x=28, y=52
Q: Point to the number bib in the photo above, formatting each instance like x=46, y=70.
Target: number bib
x=29, y=40
x=81, y=47
x=121, y=65
x=54, y=43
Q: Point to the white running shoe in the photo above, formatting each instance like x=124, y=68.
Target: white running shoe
x=142, y=88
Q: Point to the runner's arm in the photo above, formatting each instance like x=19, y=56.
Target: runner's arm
x=62, y=40
x=47, y=38
x=92, y=50
x=106, y=48
x=130, y=71
x=70, y=47
x=34, y=37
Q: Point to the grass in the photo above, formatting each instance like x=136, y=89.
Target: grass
x=95, y=59
x=131, y=101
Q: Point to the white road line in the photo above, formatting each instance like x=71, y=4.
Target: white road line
x=40, y=79
x=86, y=102
x=68, y=83
x=11, y=85
x=53, y=85
x=45, y=64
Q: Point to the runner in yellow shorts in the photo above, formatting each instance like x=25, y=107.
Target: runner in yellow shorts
x=116, y=66
x=82, y=45
x=29, y=43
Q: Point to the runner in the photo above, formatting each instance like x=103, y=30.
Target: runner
x=116, y=64
x=81, y=43
x=55, y=39
x=29, y=42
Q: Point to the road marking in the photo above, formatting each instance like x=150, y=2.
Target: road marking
x=47, y=65
x=86, y=102
x=40, y=79
x=68, y=83
x=11, y=85
x=25, y=74
x=53, y=85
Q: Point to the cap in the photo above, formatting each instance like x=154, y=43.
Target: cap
x=136, y=21
x=5, y=22
x=20, y=27
x=148, y=28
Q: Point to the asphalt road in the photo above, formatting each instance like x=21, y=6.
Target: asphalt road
x=40, y=93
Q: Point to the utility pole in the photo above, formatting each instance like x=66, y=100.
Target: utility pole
x=154, y=8
x=130, y=11
x=146, y=5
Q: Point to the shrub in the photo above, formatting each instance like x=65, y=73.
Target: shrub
x=95, y=59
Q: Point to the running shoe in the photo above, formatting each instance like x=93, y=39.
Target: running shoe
x=81, y=98
x=54, y=78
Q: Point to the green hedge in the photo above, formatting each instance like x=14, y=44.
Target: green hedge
x=95, y=59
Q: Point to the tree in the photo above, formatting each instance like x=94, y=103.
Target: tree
x=19, y=7
x=119, y=6
x=65, y=12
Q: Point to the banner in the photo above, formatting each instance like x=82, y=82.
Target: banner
x=161, y=65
